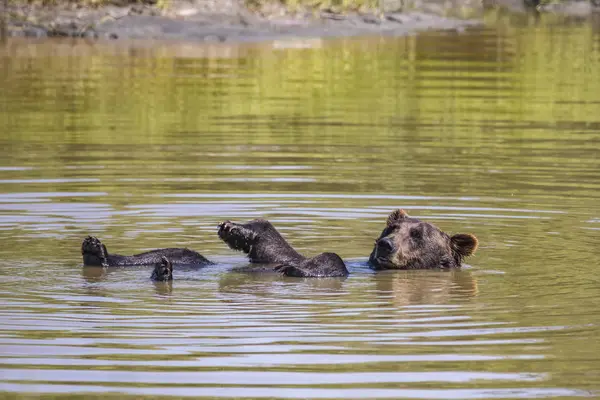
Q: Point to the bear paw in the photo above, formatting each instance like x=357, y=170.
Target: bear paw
x=288, y=270
x=94, y=252
x=163, y=270
x=236, y=236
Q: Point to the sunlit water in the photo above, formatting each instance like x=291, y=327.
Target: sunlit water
x=495, y=132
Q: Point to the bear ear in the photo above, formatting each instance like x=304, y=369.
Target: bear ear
x=396, y=216
x=463, y=244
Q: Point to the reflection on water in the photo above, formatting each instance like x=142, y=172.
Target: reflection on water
x=494, y=132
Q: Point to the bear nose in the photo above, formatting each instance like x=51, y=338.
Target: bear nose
x=386, y=245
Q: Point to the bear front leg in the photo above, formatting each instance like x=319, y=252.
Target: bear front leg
x=237, y=236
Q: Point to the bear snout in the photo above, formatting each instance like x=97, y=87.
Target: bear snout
x=385, y=247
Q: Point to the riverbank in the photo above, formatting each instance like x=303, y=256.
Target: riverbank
x=234, y=21
x=220, y=21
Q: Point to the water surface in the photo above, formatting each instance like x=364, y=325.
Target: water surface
x=495, y=132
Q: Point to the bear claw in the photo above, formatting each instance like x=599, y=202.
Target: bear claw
x=237, y=236
x=93, y=247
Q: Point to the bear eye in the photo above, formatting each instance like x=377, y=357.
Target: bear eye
x=415, y=233
x=386, y=232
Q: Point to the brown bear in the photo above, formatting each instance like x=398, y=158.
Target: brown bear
x=408, y=243
x=264, y=244
x=405, y=243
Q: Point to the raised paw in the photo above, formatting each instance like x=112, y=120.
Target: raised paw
x=94, y=252
x=163, y=270
x=223, y=228
x=236, y=236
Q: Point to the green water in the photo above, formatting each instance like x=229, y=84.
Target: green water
x=495, y=132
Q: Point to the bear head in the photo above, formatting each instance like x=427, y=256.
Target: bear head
x=408, y=243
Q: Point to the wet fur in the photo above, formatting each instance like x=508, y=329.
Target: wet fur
x=408, y=243
x=95, y=254
x=264, y=244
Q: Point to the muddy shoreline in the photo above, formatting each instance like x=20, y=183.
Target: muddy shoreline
x=229, y=21
x=219, y=21
x=193, y=24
